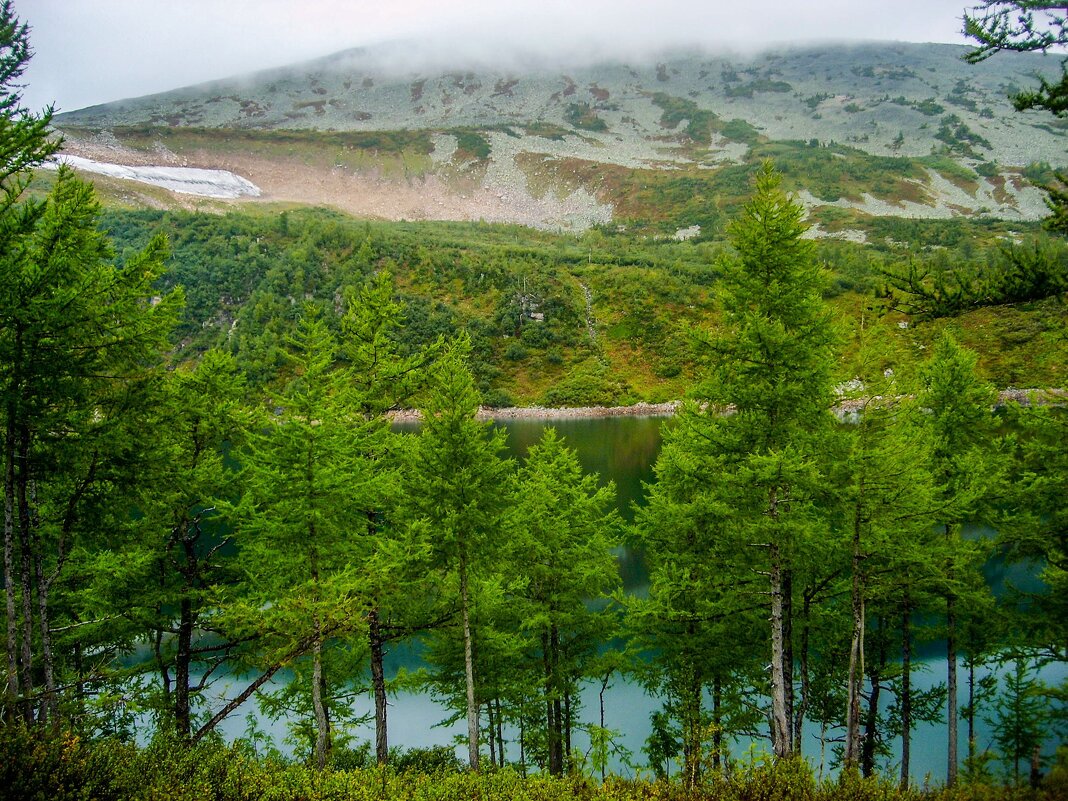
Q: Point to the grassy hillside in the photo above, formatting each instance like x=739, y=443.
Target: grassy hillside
x=555, y=319
x=904, y=156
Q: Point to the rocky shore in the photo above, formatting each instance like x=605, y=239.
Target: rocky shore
x=1023, y=397
x=558, y=413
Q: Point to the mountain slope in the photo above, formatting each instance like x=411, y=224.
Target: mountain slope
x=863, y=131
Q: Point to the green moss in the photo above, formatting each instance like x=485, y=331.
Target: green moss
x=699, y=122
x=471, y=143
x=581, y=116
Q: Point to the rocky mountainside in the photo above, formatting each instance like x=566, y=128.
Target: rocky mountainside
x=876, y=129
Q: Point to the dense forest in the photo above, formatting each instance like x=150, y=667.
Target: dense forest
x=202, y=478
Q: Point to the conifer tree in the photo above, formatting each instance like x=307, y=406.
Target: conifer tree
x=182, y=563
x=747, y=454
x=307, y=478
x=889, y=508
x=456, y=488
x=1028, y=26
x=563, y=528
x=959, y=426
x=81, y=339
x=398, y=599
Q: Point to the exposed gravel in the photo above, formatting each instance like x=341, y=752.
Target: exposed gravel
x=845, y=408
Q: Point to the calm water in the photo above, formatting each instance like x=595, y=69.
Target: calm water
x=623, y=450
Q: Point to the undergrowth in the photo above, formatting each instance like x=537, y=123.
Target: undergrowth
x=49, y=766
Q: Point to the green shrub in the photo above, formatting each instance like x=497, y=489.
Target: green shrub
x=515, y=352
x=41, y=765
x=589, y=384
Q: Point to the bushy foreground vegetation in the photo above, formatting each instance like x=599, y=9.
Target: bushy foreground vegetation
x=47, y=766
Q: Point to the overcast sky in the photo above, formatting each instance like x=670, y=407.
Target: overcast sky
x=95, y=51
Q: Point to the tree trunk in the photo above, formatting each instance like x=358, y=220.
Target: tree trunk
x=491, y=724
x=522, y=746
x=322, y=718
x=871, y=727
x=1036, y=766
x=802, y=707
x=951, y=688
x=971, y=709
x=906, y=689
x=691, y=738
x=500, y=732
x=855, y=686
x=378, y=684
x=600, y=698
x=788, y=654
x=21, y=498
x=717, y=725
x=49, y=704
x=469, y=671
x=567, y=728
x=780, y=724
x=182, y=659
x=9, y=566
x=555, y=710
x=79, y=681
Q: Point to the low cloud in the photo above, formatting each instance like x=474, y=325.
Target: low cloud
x=94, y=51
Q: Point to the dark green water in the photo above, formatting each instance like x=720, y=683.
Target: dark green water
x=621, y=450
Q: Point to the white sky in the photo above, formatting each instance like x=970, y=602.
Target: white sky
x=95, y=51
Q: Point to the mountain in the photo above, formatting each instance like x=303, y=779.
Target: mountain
x=862, y=132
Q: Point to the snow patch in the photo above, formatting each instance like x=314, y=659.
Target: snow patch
x=186, y=180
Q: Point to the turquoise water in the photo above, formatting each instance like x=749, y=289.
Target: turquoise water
x=623, y=450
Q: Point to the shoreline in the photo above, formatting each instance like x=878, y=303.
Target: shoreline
x=1023, y=397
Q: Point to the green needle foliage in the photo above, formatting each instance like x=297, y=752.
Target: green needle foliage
x=457, y=484
x=564, y=527
x=308, y=476
x=740, y=470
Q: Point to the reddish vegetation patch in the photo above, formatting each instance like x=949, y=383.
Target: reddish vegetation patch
x=505, y=87
x=999, y=192
x=417, y=90
x=910, y=191
x=250, y=108
x=318, y=105
x=599, y=93
x=569, y=86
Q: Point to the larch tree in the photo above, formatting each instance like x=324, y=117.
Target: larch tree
x=1028, y=26
x=81, y=339
x=306, y=478
x=697, y=620
x=889, y=507
x=456, y=488
x=768, y=406
x=183, y=564
x=563, y=527
x=398, y=601
x=745, y=460
x=959, y=428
